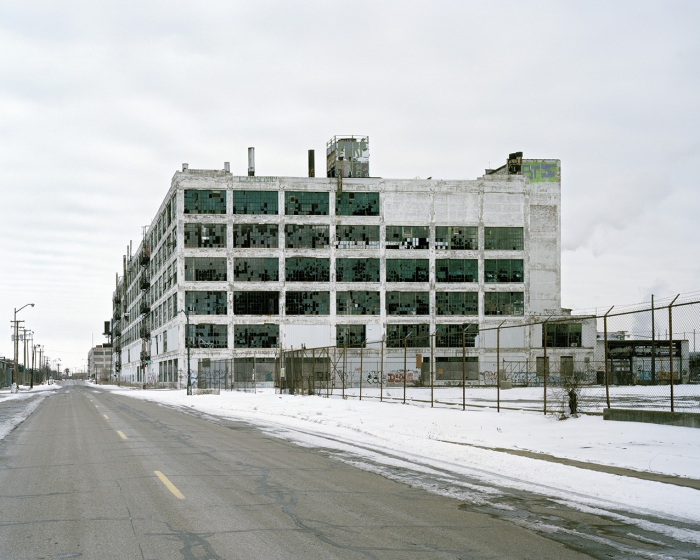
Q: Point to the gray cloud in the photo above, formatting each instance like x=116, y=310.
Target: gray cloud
x=101, y=102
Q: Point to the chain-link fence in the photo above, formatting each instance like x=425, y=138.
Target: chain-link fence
x=623, y=358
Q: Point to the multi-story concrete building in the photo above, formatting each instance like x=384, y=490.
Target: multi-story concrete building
x=264, y=263
x=100, y=362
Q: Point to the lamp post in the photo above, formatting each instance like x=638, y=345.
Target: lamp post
x=187, y=345
x=14, y=365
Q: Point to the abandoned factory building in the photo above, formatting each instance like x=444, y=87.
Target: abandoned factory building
x=264, y=263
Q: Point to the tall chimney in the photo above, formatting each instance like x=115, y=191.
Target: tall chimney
x=312, y=164
x=185, y=166
x=227, y=167
x=251, y=162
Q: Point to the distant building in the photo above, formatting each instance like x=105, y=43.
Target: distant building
x=100, y=362
x=264, y=263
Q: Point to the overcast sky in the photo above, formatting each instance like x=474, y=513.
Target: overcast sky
x=101, y=102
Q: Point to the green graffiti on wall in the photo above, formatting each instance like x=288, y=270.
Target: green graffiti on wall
x=541, y=171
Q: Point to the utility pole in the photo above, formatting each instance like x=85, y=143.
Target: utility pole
x=15, y=364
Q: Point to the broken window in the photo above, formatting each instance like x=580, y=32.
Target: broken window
x=255, y=202
x=298, y=236
x=504, y=303
x=357, y=237
x=457, y=303
x=206, y=303
x=456, y=270
x=562, y=335
x=207, y=336
x=503, y=238
x=457, y=238
x=205, y=202
x=413, y=336
x=307, y=269
x=203, y=269
x=503, y=270
x=255, y=236
x=353, y=336
x=205, y=235
x=256, y=270
x=357, y=204
x=456, y=336
x=306, y=203
x=407, y=270
x=357, y=303
x=308, y=303
x=357, y=270
x=407, y=303
x=407, y=237
x=256, y=336
x=256, y=303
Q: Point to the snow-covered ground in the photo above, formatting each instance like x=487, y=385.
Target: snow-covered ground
x=464, y=442
x=12, y=416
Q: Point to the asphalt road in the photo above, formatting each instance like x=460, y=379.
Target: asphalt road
x=96, y=475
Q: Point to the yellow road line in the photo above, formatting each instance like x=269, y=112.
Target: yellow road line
x=121, y=434
x=169, y=485
x=106, y=417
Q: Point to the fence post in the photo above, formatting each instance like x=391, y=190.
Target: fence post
x=670, y=344
x=361, y=373
x=653, y=344
x=605, y=344
x=498, y=367
x=405, y=350
x=381, y=372
x=345, y=367
x=432, y=369
x=545, y=365
x=255, y=386
x=313, y=367
x=464, y=369
x=301, y=369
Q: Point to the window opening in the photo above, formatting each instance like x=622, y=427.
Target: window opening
x=407, y=237
x=456, y=238
x=256, y=270
x=357, y=270
x=504, y=303
x=456, y=270
x=357, y=303
x=357, y=237
x=307, y=269
x=407, y=303
x=407, y=270
x=503, y=238
x=298, y=236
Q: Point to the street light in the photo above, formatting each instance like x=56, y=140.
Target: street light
x=187, y=345
x=14, y=366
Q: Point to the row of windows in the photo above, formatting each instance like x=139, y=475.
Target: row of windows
x=397, y=336
x=308, y=236
x=295, y=203
x=309, y=269
x=267, y=336
x=354, y=303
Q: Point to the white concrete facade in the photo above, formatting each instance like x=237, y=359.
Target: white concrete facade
x=495, y=200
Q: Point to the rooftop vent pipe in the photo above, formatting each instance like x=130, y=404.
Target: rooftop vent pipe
x=312, y=164
x=227, y=167
x=185, y=166
x=251, y=162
